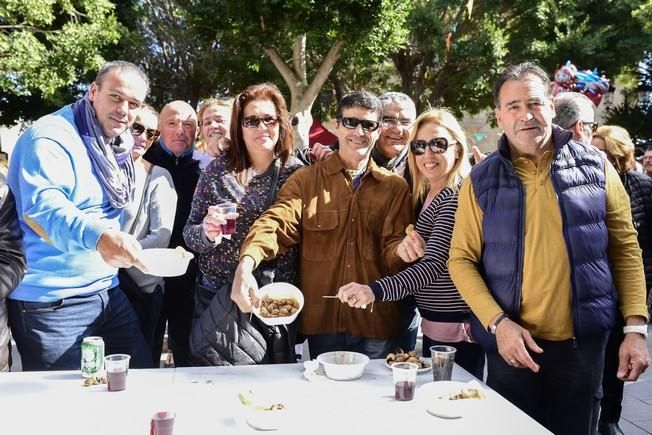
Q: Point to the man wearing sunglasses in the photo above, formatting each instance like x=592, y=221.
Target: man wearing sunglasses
x=544, y=252
x=174, y=152
x=348, y=216
x=390, y=152
x=575, y=112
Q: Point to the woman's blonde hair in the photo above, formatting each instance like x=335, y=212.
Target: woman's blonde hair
x=209, y=102
x=618, y=146
x=444, y=118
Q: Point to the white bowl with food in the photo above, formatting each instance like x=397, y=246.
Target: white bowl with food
x=343, y=365
x=280, y=303
x=262, y=411
x=165, y=261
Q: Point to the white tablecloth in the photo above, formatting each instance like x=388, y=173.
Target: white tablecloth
x=205, y=402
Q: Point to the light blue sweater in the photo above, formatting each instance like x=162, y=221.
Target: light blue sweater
x=62, y=210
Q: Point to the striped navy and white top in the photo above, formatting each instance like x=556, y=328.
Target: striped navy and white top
x=428, y=278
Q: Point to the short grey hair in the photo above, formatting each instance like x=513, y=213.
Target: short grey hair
x=520, y=72
x=121, y=65
x=568, y=108
x=398, y=98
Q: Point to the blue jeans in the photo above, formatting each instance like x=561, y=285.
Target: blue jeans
x=372, y=347
x=564, y=395
x=49, y=334
x=469, y=356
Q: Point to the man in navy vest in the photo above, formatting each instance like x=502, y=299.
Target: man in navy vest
x=544, y=252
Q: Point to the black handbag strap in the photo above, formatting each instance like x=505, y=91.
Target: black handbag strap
x=271, y=196
x=142, y=200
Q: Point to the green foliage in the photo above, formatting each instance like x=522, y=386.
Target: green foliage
x=636, y=119
x=48, y=44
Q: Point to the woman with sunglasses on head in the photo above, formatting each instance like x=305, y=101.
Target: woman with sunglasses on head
x=149, y=217
x=619, y=149
x=258, y=162
x=214, y=119
x=438, y=162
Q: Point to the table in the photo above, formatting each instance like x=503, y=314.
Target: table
x=205, y=402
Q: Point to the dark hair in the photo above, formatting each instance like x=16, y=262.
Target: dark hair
x=122, y=66
x=363, y=100
x=238, y=156
x=519, y=72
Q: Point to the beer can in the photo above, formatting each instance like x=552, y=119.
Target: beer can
x=92, y=356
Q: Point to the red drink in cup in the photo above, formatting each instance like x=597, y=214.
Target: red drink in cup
x=117, y=381
x=117, y=367
x=404, y=390
x=230, y=212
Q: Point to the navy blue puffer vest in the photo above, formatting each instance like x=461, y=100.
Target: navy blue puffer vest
x=578, y=177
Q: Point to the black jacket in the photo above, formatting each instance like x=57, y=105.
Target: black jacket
x=12, y=264
x=185, y=174
x=639, y=188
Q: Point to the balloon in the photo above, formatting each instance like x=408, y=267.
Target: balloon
x=587, y=82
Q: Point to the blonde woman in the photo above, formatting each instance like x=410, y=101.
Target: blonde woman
x=214, y=119
x=619, y=148
x=438, y=163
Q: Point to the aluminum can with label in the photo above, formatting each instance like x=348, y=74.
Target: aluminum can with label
x=92, y=356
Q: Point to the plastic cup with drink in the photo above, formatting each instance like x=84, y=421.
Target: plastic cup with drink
x=405, y=380
x=443, y=360
x=117, y=367
x=162, y=423
x=230, y=212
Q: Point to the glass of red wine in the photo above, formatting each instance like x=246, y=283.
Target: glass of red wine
x=405, y=380
x=230, y=212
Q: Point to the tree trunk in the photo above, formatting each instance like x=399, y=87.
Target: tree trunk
x=302, y=93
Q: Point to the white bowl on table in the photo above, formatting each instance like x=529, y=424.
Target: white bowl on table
x=259, y=413
x=280, y=290
x=343, y=365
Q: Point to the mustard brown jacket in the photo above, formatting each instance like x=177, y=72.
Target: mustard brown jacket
x=346, y=234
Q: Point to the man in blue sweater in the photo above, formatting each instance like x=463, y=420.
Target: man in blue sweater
x=72, y=175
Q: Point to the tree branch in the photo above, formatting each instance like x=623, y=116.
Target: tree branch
x=27, y=27
x=299, y=58
x=288, y=75
x=320, y=78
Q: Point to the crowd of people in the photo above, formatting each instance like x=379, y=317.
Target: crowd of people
x=535, y=264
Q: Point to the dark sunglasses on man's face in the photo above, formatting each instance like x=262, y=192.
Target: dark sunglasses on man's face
x=254, y=121
x=138, y=129
x=437, y=145
x=366, y=124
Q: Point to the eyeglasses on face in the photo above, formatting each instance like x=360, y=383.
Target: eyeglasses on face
x=389, y=122
x=592, y=125
x=366, y=124
x=254, y=121
x=437, y=145
x=137, y=129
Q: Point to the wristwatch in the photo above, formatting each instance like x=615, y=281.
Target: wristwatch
x=639, y=329
x=492, y=327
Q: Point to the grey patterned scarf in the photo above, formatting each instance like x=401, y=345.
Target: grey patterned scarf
x=117, y=179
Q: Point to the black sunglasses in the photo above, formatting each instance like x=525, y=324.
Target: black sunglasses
x=437, y=145
x=254, y=121
x=138, y=129
x=365, y=123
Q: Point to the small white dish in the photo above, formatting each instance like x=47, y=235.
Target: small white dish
x=434, y=396
x=425, y=361
x=280, y=290
x=165, y=261
x=343, y=365
x=257, y=415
